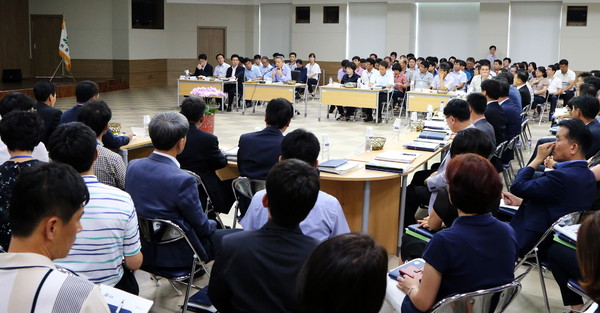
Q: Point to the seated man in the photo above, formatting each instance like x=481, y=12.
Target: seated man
x=494, y=114
x=554, y=88
x=45, y=94
x=265, y=66
x=110, y=243
x=109, y=167
x=383, y=78
x=570, y=187
x=280, y=72
x=203, y=68
x=161, y=190
x=460, y=78
x=477, y=105
x=221, y=68
x=303, y=73
x=257, y=270
x=251, y=72
x=425, y=184
x=21, y=102
x=422, y=77
x=520, y=80
x=86, y=91
x=45, y=209
x=202, y=156
x=484, y=74
x=326, y=219
x=236, y=71
x=443, y=81
x=259, y=151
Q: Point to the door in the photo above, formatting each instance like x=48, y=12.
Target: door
x=211, y=41
x=45, y=36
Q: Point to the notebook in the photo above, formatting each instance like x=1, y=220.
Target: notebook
x=422, y=146
x=383, y=166
x=333, y=163
x=413, y=268
x=432, y=135
x=346, y=167
x=397, y=156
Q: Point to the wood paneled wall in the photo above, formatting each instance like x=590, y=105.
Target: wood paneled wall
x=14, y=34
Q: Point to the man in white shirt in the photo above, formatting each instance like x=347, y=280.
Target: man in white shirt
x=257, y=59
x=367, y=75
x=292, y=63
x=484, y=73
x=383, y=78
x=423, y=78
x=221, y=68
x=326, y=219
x=460, y=78
x=443, y=81
x=567, y=77
x=265, y=65
x=411, y=69
x=492, y=55
x=46, y=208
x=554, y=88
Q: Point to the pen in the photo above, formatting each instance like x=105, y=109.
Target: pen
x=120, y=306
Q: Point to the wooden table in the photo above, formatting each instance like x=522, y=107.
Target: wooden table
x=373, y=202
x=351, y=97
x=417, y=101
x=138, y=147
x=185, y=87
x=266, y=92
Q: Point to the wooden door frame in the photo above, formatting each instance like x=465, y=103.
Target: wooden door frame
x=224, y=28
x=31, y=16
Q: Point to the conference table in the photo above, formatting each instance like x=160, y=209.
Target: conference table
x=255, y=91
x=185, y=87
x=420, y=99
x=373, y=202
x=138, y=147
x=352, y=97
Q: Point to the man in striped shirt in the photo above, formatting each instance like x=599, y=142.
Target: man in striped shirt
x=109, y=243
x=45, y=210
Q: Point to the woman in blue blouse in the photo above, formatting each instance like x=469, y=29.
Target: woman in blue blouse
x=477, y=252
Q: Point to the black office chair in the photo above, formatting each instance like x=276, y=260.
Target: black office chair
x=244, y=189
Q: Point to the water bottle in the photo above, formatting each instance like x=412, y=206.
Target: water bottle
x=429, y=112
x=146, y=123
x=330, y=81
x=413, y=121
x=441, y=112
x=369, y=139
x=397, y=125
x=325, y=149
x=412, y=85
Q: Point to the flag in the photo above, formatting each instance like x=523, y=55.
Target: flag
x=63, y=46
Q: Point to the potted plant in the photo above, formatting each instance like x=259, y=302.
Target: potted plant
x=208, y=121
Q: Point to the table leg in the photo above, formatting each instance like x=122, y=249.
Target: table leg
x=403, y=183
x=305, y=101
x=365, y=210
x=243, y=100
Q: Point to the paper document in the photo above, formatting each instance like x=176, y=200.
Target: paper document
x=120, y=301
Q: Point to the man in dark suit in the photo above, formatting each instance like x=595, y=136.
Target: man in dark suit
x=203, y=68
x=520, y=79
x=45, y=94
x=256, y=271
x=160, y=189
x=570, y=187
x=259, y=151
x=85, y=91
x=477, y=105
x=236, y=70
x=202, y=156
x=494, y=114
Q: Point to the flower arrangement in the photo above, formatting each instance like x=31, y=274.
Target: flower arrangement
x=207, y=92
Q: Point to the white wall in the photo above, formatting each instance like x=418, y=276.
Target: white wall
x=327, y=41
x=89, y=25
x=533, y=36
x=446, y=29
x=579, y=44
x=367, y=29
x=400, y=28
x=493, y=29
x=275, y=28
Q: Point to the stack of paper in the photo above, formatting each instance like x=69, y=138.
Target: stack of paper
x=393, y=167
x=397, y=156
x=433, y=124
x=339, y=167
x=231, y=154
x=423, y=146
x=433, y=135
x=568, y=231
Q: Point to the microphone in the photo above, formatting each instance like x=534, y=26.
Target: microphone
x=262, y=80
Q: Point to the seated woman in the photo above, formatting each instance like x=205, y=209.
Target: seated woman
x=400, y=82
x=21, y=132
x=477, y=252
x=349, y=77
x=588, y=256
x=540, y=87
x=344, y=274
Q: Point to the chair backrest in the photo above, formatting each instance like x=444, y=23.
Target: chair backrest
x=246, y=187
x=493, y=300
x=160, y=231
x=201, y=185
x=296, y=75
x=499, y=150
